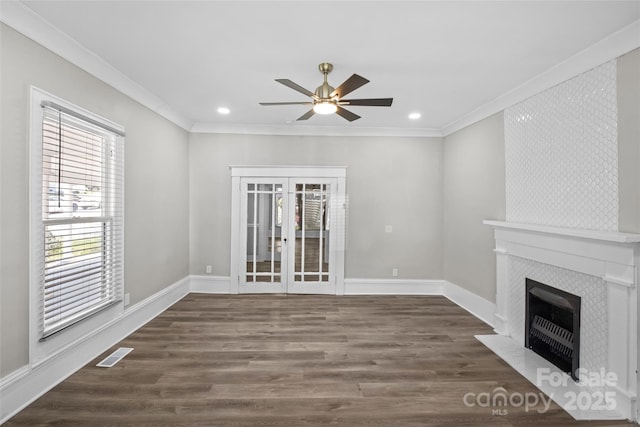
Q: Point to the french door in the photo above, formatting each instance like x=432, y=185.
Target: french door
x=290, y=230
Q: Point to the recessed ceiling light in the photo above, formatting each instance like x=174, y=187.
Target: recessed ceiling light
x=223, y=110
x=415, y=116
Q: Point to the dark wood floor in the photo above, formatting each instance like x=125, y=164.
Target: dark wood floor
x=289, y=360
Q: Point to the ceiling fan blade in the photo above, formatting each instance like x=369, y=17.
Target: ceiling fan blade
x=349, y=85
x=373, y=102
x=346, y=114
x=306, y=115
x=295, y=86
x=286, y=103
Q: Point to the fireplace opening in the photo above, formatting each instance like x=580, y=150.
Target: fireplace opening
x=552, y=325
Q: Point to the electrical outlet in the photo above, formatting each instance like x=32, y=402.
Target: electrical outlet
x=126, y=299
x=208, y=269
x=394, y=272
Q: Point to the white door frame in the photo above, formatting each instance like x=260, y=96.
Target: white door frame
x=338, y=231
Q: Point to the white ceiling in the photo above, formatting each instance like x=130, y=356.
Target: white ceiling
x=444, y=59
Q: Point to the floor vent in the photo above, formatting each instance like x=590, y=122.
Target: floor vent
x=115, y=357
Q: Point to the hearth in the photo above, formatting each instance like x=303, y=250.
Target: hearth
x=552, y=325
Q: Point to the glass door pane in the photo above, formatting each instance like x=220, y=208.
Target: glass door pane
x=311, y=247
x=264, y=206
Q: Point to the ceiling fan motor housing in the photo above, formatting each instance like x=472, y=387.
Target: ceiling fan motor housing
x=324, y=91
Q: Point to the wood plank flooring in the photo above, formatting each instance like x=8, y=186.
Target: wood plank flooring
x=294, y=360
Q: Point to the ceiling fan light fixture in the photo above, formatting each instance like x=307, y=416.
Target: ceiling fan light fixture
x=325, y=107
x=329, y=100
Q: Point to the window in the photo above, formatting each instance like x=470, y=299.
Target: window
x=79, y=231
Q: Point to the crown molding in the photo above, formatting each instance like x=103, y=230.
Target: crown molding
x=611, y=47
x=295, y=129
x=22, y=19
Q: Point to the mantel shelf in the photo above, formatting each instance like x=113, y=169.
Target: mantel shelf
x=606, y=236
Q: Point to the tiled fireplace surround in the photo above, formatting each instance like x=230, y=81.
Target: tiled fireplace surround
x=601, y=268
x=561, y=173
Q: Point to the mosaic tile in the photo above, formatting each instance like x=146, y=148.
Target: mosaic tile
x=561, y=154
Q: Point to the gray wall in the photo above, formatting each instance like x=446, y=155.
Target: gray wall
x=474, y=190
x=156, y=192
x=629, y=141
x=390, y=181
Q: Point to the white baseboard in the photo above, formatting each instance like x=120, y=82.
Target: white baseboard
x=25, y=385
x=481, y=308
x=392, y=287
x=210, y=284
x=221, y=285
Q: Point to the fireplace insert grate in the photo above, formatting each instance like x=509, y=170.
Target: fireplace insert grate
x=555, y=336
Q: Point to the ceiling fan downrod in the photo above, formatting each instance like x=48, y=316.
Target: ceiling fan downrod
x=324, y=91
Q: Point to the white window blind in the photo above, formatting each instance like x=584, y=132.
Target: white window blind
x=82, y=218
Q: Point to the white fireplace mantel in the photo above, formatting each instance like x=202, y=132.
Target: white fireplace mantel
x=612, y=257
x=605, y=236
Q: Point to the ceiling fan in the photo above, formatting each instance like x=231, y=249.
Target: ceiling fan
x=327, y=100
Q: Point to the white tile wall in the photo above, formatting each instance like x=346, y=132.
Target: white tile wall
x=561, y=154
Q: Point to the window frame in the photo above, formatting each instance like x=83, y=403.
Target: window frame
x=40, y=348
